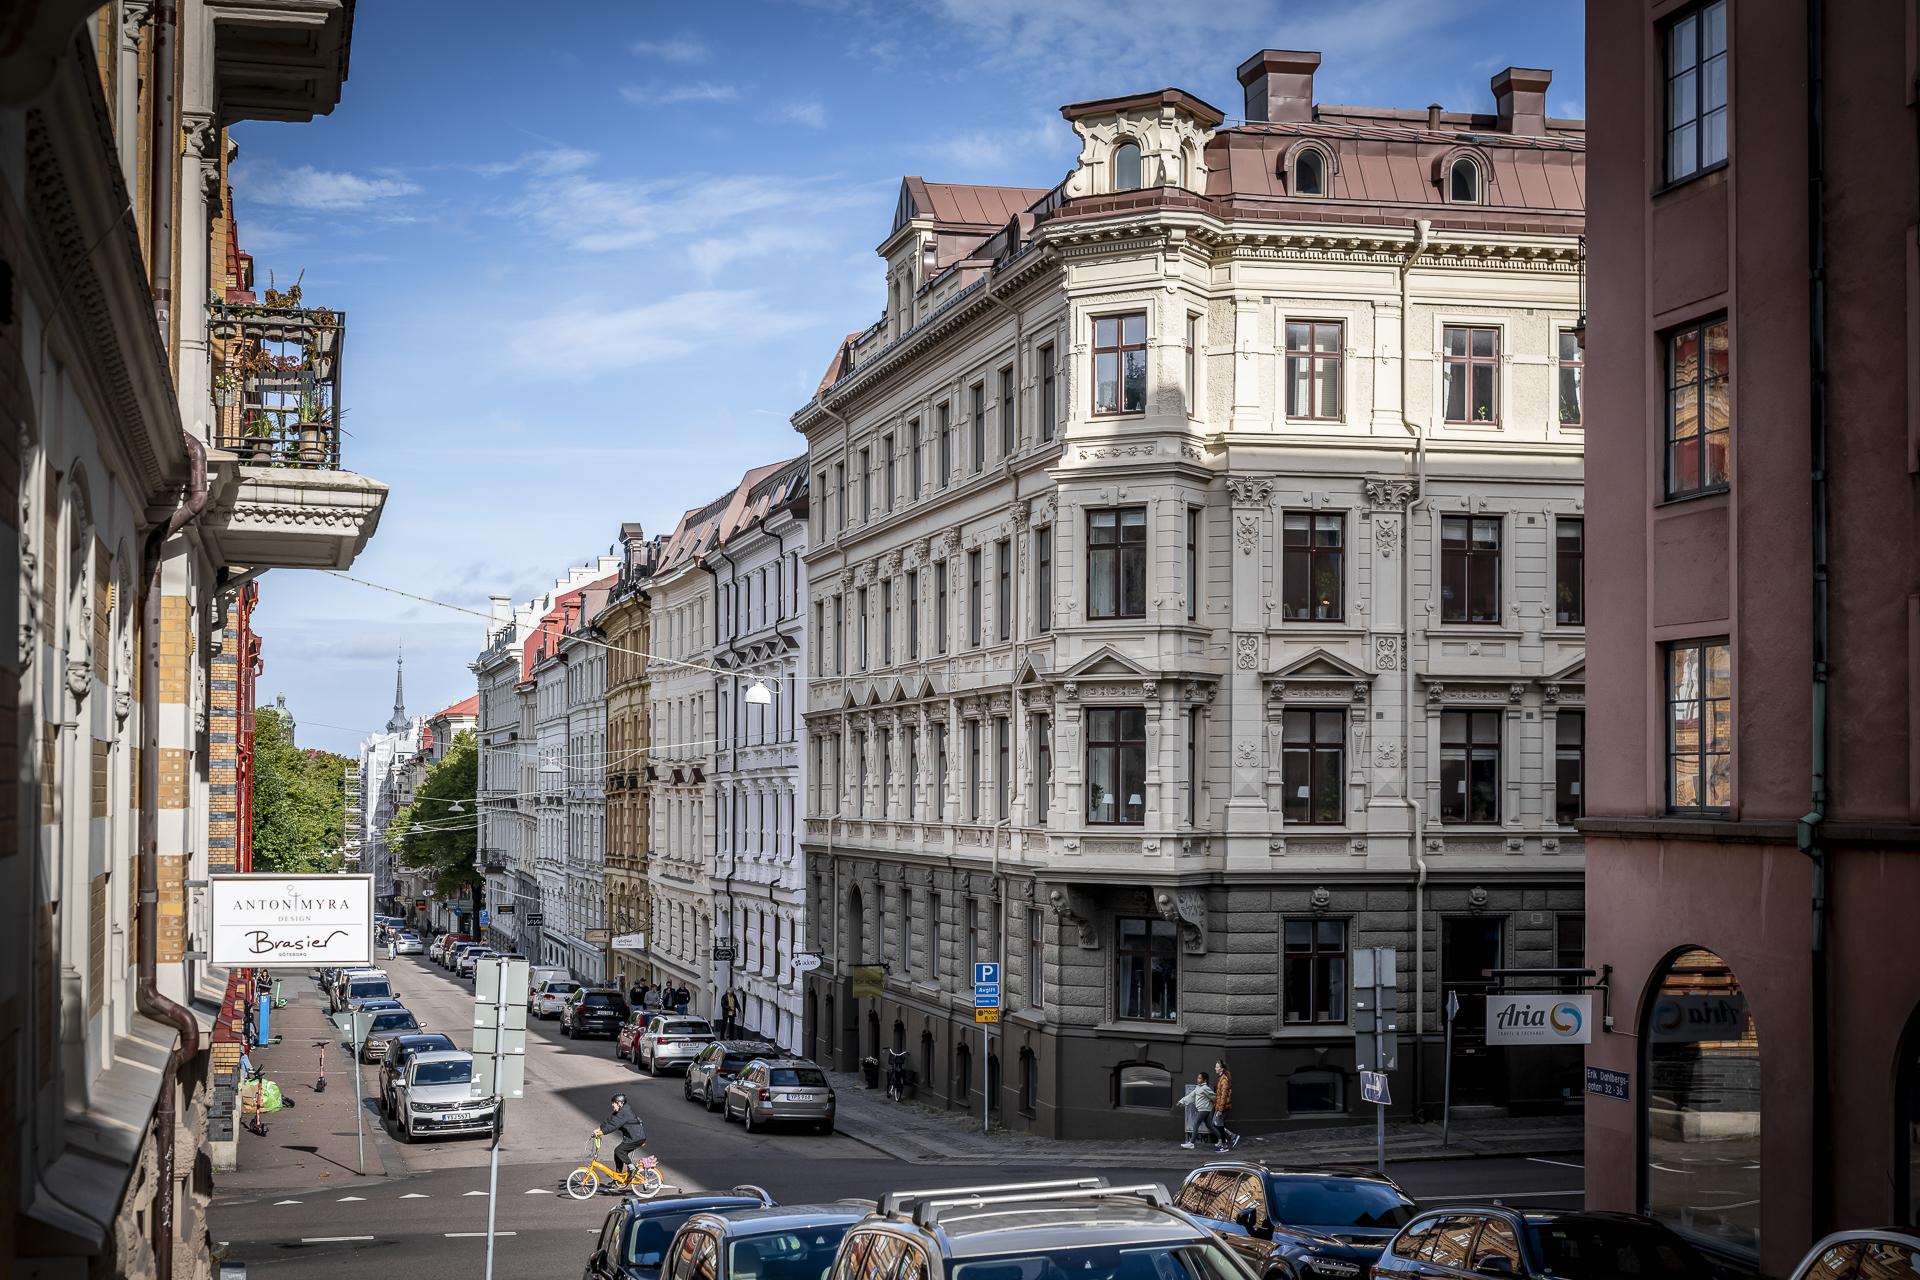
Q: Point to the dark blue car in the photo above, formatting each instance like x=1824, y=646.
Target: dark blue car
x=633, y=1240
x=1298, y=1223
x=1517, y=1244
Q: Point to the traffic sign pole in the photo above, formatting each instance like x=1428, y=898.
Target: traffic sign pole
x=1446, y=1074
x=499, y=1001
x=986, y=1012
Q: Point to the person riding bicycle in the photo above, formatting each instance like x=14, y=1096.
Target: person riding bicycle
x=622, y=1123
x=896, y=1071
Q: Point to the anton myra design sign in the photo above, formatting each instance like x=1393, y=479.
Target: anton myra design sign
x=276, y=919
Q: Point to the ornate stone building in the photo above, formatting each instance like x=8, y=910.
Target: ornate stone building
x=1194, y=599
x=624, y=622
x=583, y=649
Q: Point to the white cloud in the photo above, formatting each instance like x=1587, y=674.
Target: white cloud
x=305, y=187
x=713, y=253
x=586, y=339
x=807, y=111
x=989, y=154
x=696, y=91
x=547, y=161
x=599, y=216
x=682, y=48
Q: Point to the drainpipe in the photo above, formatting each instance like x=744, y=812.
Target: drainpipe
x=1422, y=236
x=733, y=753
x=1808, y=830
x=148, y=998
x=163, y=165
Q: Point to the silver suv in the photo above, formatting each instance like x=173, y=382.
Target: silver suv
x=437, y=1097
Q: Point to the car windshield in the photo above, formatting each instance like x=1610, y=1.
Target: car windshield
x=648, y=1237
x=1339, y=1202
x=562, y=988
x=804, y=1254
x=1589, y=1249
x=798, y=1077
x=735, y=1061
x=443, y=1072
x=602, y=1000
x=398, y=1020
x=686, y=1029
x=1189, y=1260
x=360, y=988
x=425, y=1044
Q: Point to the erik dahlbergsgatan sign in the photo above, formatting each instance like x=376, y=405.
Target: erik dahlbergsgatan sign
x=273, y=919
x=1539, y=1019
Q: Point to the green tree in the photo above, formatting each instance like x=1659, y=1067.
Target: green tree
x=445, y=843
x=299, y=808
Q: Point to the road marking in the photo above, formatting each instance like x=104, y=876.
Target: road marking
x=469, y=1235
x=1564, y=1164
x=344, y=1199
x=278, y=1203
x=415, y=1195
x=476, y=1193
x=539, y=1191
x=331, y=1239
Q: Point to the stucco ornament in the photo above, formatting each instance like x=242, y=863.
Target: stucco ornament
x=1476, y=897
x=1390, y=493
x=1322, y=898
x=1386, y=536
x=80, y=652
x=1247, y=533
x=1068, y=908
x=1246, y=652
x=1169, y=139
x=1188, y=909
x=123, y=682
x=1248, y=492
x=1386, y=653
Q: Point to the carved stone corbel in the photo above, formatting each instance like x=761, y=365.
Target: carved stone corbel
x=1188, y=909
x=1071, y=907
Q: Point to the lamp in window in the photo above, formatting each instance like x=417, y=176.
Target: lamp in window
x=758, y=694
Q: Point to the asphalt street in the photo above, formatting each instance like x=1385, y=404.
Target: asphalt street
x=421, y=1212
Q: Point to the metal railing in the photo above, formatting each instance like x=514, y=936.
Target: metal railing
x=276, y=383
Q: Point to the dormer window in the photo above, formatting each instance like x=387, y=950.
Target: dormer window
x=1126, y=167
x=1463, y=181
x=1309, y=174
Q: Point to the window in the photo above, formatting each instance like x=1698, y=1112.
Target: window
x=1699, y=727
x=1316, y=970
x=1699, y=422
x=918, y=477
x=939, y=790
x=979, y=428
x=820, y=638
x=1470, y=569
x=1470, y=375
x=840, y=493
x=1313, y=368
x=973, y=597
x=1049, y=405
x=1463, y=181
x=1029, y=1084
x=1570, y=571
x=974, y=954
x=1126, y=167
x=1043, y=580
x=913, y=613
x=886, y=622
x=1314, y=1091
x=1147, y=1085
x=1496, y=1241
x=1312, y=567
x=1042, y=767
x=913, y=783
x=1007, y=434
x=1003, y=767
x=940, y=619
x=1570, y=948
x=1193, y=562
x=1120, y=363
x=1312, y=762
x=973, y=770
x=1116, y=764
x=866, y=485
x=1193, y=370
x=839, y=635
x=860, y=794
x=1117, y=563
x=1194, y=765
x=886, y=456
x=862, y=625
x=1697, y=91
x=1572, y=373
x=1569, y=765
x=1003, y=587
x=1310, y=174
x=944, y=416
x=886, y=789
x=1036, y=956
x=1146, y=963
x=1470, y=766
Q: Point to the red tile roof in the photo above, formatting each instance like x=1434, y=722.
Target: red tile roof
x=553, y=623
x=464, y=707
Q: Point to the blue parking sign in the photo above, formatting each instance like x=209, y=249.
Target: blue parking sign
x=986, y=973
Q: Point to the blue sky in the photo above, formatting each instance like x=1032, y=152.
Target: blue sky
x=592, y=260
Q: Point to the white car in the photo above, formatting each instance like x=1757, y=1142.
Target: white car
x=437, y=1097
x=409, y=944
x=546, y=998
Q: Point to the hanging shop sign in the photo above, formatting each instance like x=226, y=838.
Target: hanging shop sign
x=1557, y=1019
x=280, y=919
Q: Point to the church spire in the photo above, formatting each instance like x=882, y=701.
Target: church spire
x=397, y=723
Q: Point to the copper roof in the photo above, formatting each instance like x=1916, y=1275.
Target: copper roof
x=957, y=205
x=1204, y=111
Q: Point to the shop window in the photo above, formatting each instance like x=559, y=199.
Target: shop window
x=1144, y=1085
x=1311, y=1092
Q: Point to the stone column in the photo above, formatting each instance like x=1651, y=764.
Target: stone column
x=1249, y=346
x=1247, y=817
x=1384, y=542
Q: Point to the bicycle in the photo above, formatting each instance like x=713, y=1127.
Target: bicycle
x=898, y=1077
x=585, y=1182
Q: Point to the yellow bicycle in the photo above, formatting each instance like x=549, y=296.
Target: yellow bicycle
x=595, y=1176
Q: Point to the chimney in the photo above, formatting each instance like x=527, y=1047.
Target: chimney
x=1520, y=98
x=1279, y=84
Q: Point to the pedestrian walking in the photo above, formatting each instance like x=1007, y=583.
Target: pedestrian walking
x=638, y=995
x=1224, y=1139
x=729, y=1016
x=1198, y=1102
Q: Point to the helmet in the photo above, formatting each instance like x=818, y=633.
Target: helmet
x=618, y=1100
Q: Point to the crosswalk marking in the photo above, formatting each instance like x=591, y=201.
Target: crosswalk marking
x=344, y=1199
x=476, y=1193
x=539, y=1191
x=278, y=1203
x=469, y=1235
x=415, y=1195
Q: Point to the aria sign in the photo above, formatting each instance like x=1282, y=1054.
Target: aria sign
x=300, y=920
x=1539, y=1019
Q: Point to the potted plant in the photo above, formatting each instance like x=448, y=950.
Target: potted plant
x=256, y=439
x=226, y=388
x=314, y=428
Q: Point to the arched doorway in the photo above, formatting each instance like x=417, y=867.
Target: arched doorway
x=1700, y=1107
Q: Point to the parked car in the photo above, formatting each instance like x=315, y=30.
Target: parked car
x=717, y=1063
x=472, y=956
x=1491, y=1240
x=634, y=1238
x=669, y=1040
x=354, y=984
x=373, y=1004
x=460, y=952
x=1075, y=1227
x=393, y=1063
x=410, y=944
x=436, y=1096
x=444, y=944
x=773, y=1090
x=1891, y=1253
x=545, y=998
x=1290, y=1223
x=386, y=1025
x=797, y=1242
x=592, y=1011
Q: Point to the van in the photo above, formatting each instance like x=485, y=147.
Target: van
x=539, y=973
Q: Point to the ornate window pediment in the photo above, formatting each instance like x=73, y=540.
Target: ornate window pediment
x=1107, y=663
x=1318, y=676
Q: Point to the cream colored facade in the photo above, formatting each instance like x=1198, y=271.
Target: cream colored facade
x=627, y=897
x=1144, y=925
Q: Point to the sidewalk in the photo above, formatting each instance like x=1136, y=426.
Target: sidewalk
x=921, y=1134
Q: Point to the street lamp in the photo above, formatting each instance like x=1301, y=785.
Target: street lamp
x=758, y=695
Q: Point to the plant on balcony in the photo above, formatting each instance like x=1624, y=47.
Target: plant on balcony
x=226, y=388
x=256, y=438
x=288, y=300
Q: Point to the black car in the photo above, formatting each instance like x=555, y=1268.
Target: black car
x=393, y=1063
x=787, y=1242
x=634, y=1238
x=709, y=1074
x=593, y=1011
x=1292, y=1223
x=1491, y=1240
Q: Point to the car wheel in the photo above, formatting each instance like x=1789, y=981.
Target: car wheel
x=726, y=1110
x=653, y=1065
x=706, y=1099
x=406, y=1132
x=746, y=1118
x=686, y=1089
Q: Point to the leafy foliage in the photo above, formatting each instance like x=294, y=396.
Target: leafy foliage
x=299, y=808
x=446, y=840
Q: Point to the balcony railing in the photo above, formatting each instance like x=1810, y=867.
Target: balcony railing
x=276, y=383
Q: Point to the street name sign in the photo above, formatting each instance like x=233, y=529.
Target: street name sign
x=1609, y=1084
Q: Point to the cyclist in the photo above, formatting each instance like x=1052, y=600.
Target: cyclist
x=896, y=1073
x=621, y=1122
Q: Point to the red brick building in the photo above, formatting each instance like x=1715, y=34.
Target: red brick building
x=1753, y=784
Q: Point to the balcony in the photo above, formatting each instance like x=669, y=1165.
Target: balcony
x=282, y=496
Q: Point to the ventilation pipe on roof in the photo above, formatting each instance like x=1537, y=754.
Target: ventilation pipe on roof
x=1520, y=98
x=1279, y=85
x=1433, y=116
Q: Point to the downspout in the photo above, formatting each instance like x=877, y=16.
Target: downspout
x=1808, y=831
x=733, y=754
x=148, y=998
x=1422, y=236
x=163, y=152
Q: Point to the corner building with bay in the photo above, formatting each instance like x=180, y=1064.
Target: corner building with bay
x=1194, y=598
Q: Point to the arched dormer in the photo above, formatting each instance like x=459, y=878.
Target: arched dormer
x=1307, y=168
x=1125, y=165
x=1167, y=131
x=1464, y=176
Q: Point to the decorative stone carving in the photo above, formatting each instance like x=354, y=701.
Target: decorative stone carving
x=1359, y=691
x=950, y=541
x=1070, y=690
x=1477, y=897
x=1150, y=691
x=1390, y=493
x=1386, y=536
x=1436, y=845
x=1515, y=844
x=1276, y=844
x=1436, y=693
x=1246, y=533
x=1248, y=492
x=1550, y=693
x=1246, y=652
x=1516, y=692
x=1188, y=909
x=133, y=16
x=1069, y=908
x=1550, y=844
x=1143, y=450
x=1386, y=754
x=1246, y=753
x=1321, y=898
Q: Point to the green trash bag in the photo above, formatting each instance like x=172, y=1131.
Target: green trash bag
x=270, y=1099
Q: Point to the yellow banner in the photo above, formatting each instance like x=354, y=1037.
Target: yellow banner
x=869, y=980
x=986, y=1015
